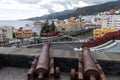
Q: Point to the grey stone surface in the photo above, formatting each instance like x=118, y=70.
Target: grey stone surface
x=113, y=77
x=114, y=49
x=12, y=73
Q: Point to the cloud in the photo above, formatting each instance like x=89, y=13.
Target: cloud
x=40, y=7
x=29, y=1
x=62, y=2
x=66, y=4
x=54, y=5
x=49, y=8
x=97, y=1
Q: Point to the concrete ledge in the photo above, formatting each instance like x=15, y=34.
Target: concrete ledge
x=110, y=67
x=65, y=64
x=13, y=60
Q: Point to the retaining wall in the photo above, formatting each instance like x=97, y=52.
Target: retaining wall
x=65, y=64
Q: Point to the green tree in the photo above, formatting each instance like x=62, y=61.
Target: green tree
x=48, y=28
x=52, y=27
x=45, y=28
x=13, y=35
x=34, y=34
x=63, y=29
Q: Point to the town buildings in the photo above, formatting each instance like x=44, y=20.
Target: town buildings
x=110, y=21
x=69, y=25
x=97, y=33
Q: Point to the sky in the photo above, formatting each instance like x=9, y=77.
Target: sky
x=22, y=9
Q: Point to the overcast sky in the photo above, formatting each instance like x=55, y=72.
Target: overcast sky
x=21, y=9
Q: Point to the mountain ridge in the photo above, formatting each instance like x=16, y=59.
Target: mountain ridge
x=92, y=10
x=57, y=15
x=89, y=10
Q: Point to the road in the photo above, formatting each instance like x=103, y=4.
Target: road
x=68, y=34
x=63, y=45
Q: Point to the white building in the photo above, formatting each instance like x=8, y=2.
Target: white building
x=2, y=34
x=92, y=19
x=111, y=21
x=38, y=25
x=8, y=31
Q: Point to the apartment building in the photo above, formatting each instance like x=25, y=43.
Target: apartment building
x=20, y=34
x=97, y=33
x=3, y=39
x=111, y=21
x=8, y=31
x=38, y=25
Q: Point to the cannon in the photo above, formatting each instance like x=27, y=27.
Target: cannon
x=42, y=67
x=30, y=73
x=80, y=71
x=90, y=69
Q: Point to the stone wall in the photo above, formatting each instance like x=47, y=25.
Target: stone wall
x=16, y=60
x=110, y=67
x=65, y=64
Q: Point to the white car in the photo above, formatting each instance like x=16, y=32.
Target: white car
x=76, y=49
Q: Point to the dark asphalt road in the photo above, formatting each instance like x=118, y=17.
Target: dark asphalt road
x=63, y=46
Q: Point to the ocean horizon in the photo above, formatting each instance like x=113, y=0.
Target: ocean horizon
x=16, y=23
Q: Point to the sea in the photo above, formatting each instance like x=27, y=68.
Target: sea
x=16, y=23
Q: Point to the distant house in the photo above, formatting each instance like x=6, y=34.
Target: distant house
x=23, y=34
x=38, y=25
x=3, y=38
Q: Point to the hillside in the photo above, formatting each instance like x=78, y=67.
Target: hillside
x=58, y=15
x=89, y=10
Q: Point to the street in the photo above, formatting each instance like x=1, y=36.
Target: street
x=63, y=46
